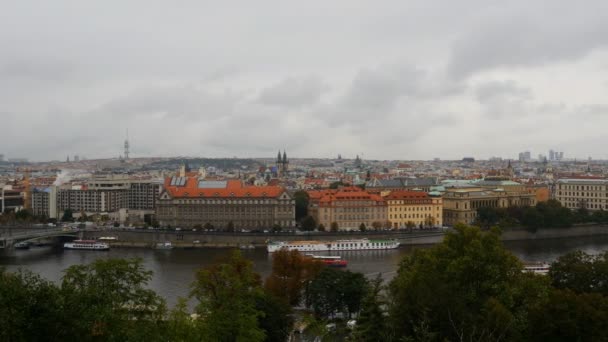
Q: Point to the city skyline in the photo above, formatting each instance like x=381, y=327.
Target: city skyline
x=393, y=81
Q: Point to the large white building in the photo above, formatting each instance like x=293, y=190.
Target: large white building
x=582, y=193
x=116, y=195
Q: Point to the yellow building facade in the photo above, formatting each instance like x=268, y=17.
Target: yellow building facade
x=414, y=208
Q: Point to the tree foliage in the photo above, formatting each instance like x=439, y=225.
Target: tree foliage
x=581, y=272
x=68, y=216
x=291, y=272
x=226, y=294
x=333, y=291
x=308, y=223
x=371, y=323
x=108, y=299
x=301, y=198
x=467, y=287
x=29, y=308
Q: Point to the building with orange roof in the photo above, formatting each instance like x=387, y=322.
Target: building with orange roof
x=414, y=208
x=348, y=207
x=190, y=201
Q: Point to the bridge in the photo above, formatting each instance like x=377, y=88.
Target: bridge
x=11, y=235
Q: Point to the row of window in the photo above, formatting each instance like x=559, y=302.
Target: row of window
x=414, y=208
x=406, y=216
x=583, y=187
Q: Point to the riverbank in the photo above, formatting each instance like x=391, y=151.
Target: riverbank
x=189, y=239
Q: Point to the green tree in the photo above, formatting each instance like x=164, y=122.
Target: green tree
x=308, y=223
x=68, y=216
x=362, y=227
x=23, y=215
x=30, y=308
x=276, y=228
x=376, y=225
x=226, y=295
x=181, y=326
x=333, y=291
x=230, y=226
x=109, y=300
x=533, y=219
x=301, y=197
x=371, y=323
x=276, y=319
x=83, y=217
x=208, y=226
x=334, y=227
x=321, y=227
x=467, y=287
x=581, y=272
x=567, y=316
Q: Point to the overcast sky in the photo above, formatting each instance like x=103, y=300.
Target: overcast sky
x=382, y=79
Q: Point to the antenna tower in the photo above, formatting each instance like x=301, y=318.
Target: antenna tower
x=127, y=146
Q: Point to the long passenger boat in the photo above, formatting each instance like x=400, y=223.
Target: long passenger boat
x=87, y=245
x=338, y=245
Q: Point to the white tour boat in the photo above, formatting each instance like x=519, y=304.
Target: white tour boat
x=87, y=244
x=338, y=245
x=541, y=268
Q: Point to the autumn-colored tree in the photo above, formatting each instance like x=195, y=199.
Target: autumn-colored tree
x=291, y=271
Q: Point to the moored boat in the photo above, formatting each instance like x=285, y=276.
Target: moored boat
x=338, y=245
x=107, y=238
x=539, y=268
x=164, y=245
x=330, y=260
x=87, y=245
x=22, y=245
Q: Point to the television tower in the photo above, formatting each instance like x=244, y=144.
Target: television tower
x=127, y=146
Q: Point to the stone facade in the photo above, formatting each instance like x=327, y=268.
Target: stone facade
x=460, y=203
x=582, y=193
x=348, y=207
x=414, y=207
x=188, y=202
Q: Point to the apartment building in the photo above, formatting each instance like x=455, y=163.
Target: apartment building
x=406, y=208
x=582, y=193
x=348, y=207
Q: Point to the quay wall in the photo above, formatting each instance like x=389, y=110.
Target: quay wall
x=189, y=239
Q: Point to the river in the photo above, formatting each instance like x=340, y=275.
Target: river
x=174, y=269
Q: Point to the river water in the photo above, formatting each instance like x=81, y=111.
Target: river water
x=174, y=269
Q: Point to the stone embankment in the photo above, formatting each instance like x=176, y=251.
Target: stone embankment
x=190, y=239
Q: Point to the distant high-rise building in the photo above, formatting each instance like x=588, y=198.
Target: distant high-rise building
x=551, y=155
x=76, y=158
x=1, y=157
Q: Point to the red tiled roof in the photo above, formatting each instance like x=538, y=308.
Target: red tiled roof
x=234, y=188
x=344, y=194
x=398, y=195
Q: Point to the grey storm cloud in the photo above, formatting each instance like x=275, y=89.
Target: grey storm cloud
x=317, y=78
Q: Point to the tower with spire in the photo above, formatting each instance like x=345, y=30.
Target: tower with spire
x=282, y=164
